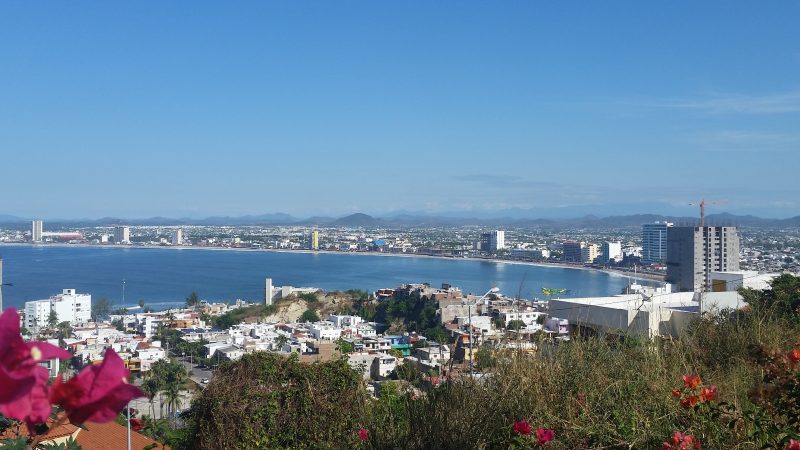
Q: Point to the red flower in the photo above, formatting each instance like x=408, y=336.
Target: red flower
x=690, y=401
x=676, y=393
x=137, y=424
x=682, y=441
x=97, y=393
x=792, y=445
x=708, y=394
x=363, y=434
x=544, y=435
x=691, y=380
x=522, y=427
x=23, y=383
x=794, y=355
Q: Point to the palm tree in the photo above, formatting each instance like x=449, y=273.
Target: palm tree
x=280, y=341
x=150, y=388
x=172, y=399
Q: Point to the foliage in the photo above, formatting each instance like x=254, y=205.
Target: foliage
x=309, y=315
x=192, y=300
x=344, y=346
x=783, y=299
x=238, y=315
x=266, y=400
x=408, y=371
x=101, y=308
x=417, y=314
x=515, y=324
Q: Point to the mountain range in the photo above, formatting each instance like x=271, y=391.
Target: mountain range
x=420, y=220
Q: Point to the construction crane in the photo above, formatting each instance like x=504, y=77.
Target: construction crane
x=702, y=204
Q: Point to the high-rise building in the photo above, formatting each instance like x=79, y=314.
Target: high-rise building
x=314, y=240
x=694, y=252
x=122, y=235
x=36, y=231
x=572, y=251
x=611, y=251
x=589, y=252
x=654, y=242
x=68, y=306
x=177, y=236
x=268, y=291
x=493, y=241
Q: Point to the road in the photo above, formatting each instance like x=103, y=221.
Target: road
x=197, y=374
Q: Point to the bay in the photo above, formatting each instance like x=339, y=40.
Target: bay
x=163, y=277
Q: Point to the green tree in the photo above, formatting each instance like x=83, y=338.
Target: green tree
x=344, y=346
x=192, y=300
x=141, y=303
x=63, y=330
x=515, y=325
x=309, y=316
x=101, y=309
x=171, y=398
x=52, y=320
x=409, y=372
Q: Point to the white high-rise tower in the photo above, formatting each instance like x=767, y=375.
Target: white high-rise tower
x=36, y=231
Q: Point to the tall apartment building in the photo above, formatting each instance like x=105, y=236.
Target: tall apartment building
x=611, y=251
x=694, y=252
x=589, y=252
x=36, y=231
x=69, y=306
x=572, y=251
x=493, y=241
x=177, y=236
x=654, y=242
x=313, y=243
x=122, y=235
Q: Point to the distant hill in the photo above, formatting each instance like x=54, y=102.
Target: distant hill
x=358, y=220
x=418, y=220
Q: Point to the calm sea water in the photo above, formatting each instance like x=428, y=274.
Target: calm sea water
x=164, y=277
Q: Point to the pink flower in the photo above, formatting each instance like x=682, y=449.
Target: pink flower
x=522, y=427
x=544, y=435
x=363, y=434
x=794, y=355
x=691, y=380
x=23, y=383
x=793, y=445
x=97, y=393
x=676, y=393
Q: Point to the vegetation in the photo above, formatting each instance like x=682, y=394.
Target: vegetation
x=309, y=315
x=732, y=381
x=101, y=308
x=238, y=315
x=271, y=401
x=192, y=300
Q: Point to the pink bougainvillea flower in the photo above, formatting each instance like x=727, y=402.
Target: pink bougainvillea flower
x=363, y=434
x=23, y=382
x=544, y=435
x=708, y=394
x=792, y=445
x=98, y=393
x=676, y=393
x=522, y=427
x=691, y=380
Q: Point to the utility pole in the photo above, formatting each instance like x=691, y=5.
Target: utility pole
x=471, y=371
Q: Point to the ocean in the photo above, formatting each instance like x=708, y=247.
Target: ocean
x=163, y=277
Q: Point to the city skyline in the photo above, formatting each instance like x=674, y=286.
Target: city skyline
x=193, y=110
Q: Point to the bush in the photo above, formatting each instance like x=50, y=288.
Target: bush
x=266, y=400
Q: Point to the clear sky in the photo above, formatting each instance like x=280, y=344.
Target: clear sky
x=197, y=108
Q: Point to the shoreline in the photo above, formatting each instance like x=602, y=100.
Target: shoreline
x=554, y=265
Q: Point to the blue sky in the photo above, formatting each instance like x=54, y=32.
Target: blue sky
x=201, y=108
